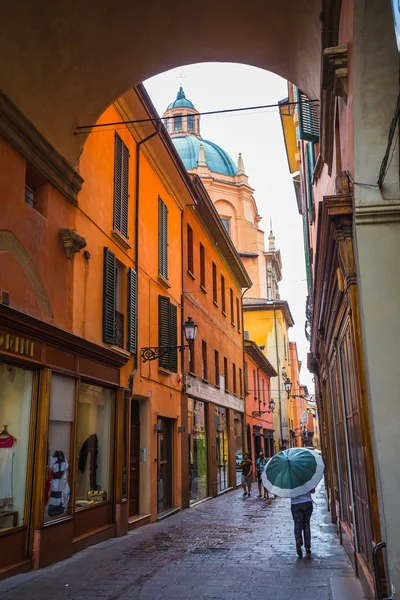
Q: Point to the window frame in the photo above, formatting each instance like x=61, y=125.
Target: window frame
x=190, y=257
x=162, y=239
x=223, y=295
x=226, y=376
x=204, y=365
x=214, y=283
x=202, y=258
x=216, y=368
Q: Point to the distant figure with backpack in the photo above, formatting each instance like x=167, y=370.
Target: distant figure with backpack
x=247, y=472
x=261, y=463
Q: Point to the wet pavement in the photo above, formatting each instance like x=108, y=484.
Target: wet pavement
x=227, y=548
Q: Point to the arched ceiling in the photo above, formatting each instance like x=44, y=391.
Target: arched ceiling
x=64, y=61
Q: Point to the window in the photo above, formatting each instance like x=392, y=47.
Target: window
x=204, y=360
x=36, y=190
x=216, y=367
x=177, y=122
x=190, y=122
x=29, y=196
x=232, y=306
x=167, y=124
x=263, y=390
x=121, y=193
x=202, y=267
x=226, y=224
x=190, y=265
x=309, y=125
x=168, y=333
x=234, y=378
x=223, y=298
x=246, y=383
x=238, y=314
x=192, y=361
x=162, y=239
x=226, y=373
x=93, y=444
x=214, y=283
x=240, y=383
x=255, y=384
x=197, y=450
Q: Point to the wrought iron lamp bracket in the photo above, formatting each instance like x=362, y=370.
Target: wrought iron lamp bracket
x=154, y=352
x=258, y=413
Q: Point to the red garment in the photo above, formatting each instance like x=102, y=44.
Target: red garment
x=48, y=487
x=7, y=442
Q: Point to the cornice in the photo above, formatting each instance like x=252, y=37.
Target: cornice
x=376, y=214
x=33, y=146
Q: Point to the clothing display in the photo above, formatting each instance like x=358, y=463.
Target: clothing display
x=90, y=446
x=6, y=469
x=59, y=487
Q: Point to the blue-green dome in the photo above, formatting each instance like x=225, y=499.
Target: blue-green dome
x=217, y=160
x=181, y=101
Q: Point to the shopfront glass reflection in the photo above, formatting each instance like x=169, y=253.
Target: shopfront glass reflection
x=197, y=451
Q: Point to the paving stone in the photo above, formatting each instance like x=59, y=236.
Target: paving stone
x=225, y=549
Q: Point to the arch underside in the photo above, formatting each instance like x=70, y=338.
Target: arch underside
x=68, y=61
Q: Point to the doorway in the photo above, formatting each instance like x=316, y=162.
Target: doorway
x=164, y=465
x=134, y=460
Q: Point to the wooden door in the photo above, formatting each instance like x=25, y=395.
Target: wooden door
x=134, y=460
x=164, y=465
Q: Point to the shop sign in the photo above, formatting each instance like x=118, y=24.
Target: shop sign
x=16, y=344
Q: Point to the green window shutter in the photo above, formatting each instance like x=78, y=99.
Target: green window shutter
x=163, y=328
x=132, y=311
x=310, y=166
x=121, y=179
x=109, y=297
x=306, y=251
x=173, y=337
x=162, y=239
x=308, y=129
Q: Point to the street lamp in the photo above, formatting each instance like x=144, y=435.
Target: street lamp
x=258, y=413
x=154, y=352
x=288, y=386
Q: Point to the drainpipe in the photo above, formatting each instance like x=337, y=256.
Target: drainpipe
x=279, y=379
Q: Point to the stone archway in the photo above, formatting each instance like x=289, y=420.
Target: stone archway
x=68, y=61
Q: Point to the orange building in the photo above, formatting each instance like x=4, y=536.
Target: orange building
x=214, y=405
x=259, y=402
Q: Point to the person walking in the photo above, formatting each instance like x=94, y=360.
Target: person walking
x=261, y=463
x=302, y=508
x=247, y=471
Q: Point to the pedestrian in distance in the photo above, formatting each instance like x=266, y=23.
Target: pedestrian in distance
x=247, y=472
x=302, y=508
x=261, y=463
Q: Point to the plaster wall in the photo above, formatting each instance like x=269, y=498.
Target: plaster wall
x=376, y=77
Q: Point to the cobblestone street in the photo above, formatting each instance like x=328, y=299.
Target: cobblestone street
x=227, y=548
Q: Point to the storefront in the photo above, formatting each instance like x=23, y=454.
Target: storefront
x=238, y=432
x=197, y=443
x=222, y=448
x=60, y=480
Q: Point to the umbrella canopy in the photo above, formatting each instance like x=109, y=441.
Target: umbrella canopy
x=293, y=472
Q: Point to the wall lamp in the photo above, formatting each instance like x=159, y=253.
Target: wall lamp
x=258, y=413
x=288, y=386
x=154, y=352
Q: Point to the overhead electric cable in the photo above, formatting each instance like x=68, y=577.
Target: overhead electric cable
x=209, y=112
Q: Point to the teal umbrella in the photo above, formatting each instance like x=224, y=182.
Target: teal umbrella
x=293, y=472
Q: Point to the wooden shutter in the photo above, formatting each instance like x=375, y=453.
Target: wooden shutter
x=308, y=118
x=173, y=337
x=163, y=328
x=190, y=249
x=246, y=383
x=223, y=298
x=109, y=297
x=214, y=282
x=162, y=238
x=121, y=179
x=202, y=266
x=132, y=311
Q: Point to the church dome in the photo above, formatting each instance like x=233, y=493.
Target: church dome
x=216, y=158
x=181, y=101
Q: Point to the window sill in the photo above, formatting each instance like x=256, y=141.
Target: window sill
x=121, y=239
x=204, y=380
x=191, y=274
x=121, y=351
x=164, y=281
x=164, y=371
x=203, y=289
x=233, y=324
x=239, y=331
x=216, y=303
x=224, y=313
x=217, y=386
x=192, y=373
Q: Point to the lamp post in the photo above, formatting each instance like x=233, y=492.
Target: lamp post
x=154, y=352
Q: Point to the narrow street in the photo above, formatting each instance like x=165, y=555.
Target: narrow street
x=227, y=548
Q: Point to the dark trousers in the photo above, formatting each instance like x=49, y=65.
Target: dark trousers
x=301, y=516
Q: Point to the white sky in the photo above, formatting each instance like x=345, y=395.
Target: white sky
x=258, y=136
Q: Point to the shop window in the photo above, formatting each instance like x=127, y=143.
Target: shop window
x=190, y=265
x=204, y=360
x=15, y=414
x=168, y=333
x=202, y=267
x=61, y=419
x=223, y=297
x=93, y=445
x=238, y=434
x=216, y=367
x=162, y=239
x=222, y=448
x=121, y=187
x=197, y=441
x=214, y=283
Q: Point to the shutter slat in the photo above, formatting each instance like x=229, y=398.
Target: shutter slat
x=163, y=328
x=124, y=191
x=173, y=337
x=109, y=297
x=117, y=182
x=308, y=118
x=132, y=311
x=162, y=238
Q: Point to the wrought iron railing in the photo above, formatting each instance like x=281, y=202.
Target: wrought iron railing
x=119, y=329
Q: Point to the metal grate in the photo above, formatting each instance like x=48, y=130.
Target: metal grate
x=119, y=329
